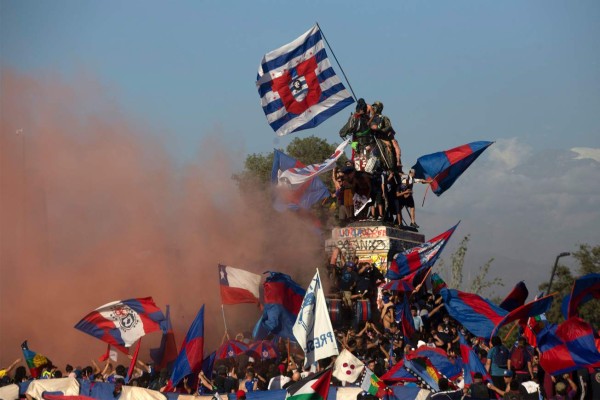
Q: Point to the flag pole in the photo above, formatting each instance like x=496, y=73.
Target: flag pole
x=224, y=320
x=337, y=62
x=511, y=329
x=222, y=308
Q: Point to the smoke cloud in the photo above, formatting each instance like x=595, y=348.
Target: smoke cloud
x=95, y=209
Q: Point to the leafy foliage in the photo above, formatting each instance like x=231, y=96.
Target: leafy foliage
x=480, y=282
x=589, y=262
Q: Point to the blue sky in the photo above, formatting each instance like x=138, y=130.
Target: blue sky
x=447, y=72
x=525, y=74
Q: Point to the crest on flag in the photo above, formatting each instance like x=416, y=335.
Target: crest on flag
x=297, y=85
x=124, y=316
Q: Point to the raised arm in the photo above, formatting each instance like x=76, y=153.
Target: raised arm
x=11, y=366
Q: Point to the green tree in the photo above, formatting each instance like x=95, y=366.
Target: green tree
x=480, y=282
x=308, y=150
x=588, y=259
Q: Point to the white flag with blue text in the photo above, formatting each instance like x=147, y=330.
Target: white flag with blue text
x=297, y=85
x=313, y=329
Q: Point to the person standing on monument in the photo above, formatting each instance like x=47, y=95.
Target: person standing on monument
x=405, y=196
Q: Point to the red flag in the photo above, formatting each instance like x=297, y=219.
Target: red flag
x=133, y=361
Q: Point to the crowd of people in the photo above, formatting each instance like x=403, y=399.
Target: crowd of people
x=375, y=171
x=375, y=335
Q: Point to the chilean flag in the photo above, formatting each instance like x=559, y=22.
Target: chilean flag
x=238, y=286
x=418, y=257
x=444, y=167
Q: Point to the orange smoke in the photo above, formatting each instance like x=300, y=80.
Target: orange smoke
x=94, y=209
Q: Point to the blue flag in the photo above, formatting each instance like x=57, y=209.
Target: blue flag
x=293, y=198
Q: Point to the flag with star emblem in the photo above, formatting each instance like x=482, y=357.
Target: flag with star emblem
x=238, y=286
x=297, y=85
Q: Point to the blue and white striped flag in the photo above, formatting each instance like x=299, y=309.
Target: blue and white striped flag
x=297, y=85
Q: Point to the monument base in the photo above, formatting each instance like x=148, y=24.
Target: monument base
x=372, y=241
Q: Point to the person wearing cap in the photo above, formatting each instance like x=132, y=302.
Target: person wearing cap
x=278, y=381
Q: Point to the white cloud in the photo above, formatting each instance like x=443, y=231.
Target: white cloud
x=521, y=206
x=587, y=152
x=508, y=153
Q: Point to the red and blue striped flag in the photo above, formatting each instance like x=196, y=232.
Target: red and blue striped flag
x=584, y=289
x=478, y=315
x=297, y=85
x=471, y=362
x=121, y=323
x=282, y=301
x=568, y=347
x=516, y=298
x=531, y=309
x=418, y=257
x=444, y=167
x=191, y=354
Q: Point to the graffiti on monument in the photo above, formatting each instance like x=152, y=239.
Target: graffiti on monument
x=366, y=232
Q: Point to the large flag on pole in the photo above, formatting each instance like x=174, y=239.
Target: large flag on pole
x=35, y=361
x=418, y=257
x=295, y=177
x=444, y=167
x=191, y=354
x=297, y=85
x=282, y=300
x=121, y=323
x=313, y=329
x=238, y=286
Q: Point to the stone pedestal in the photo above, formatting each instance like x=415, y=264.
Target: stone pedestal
x=372, y=241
